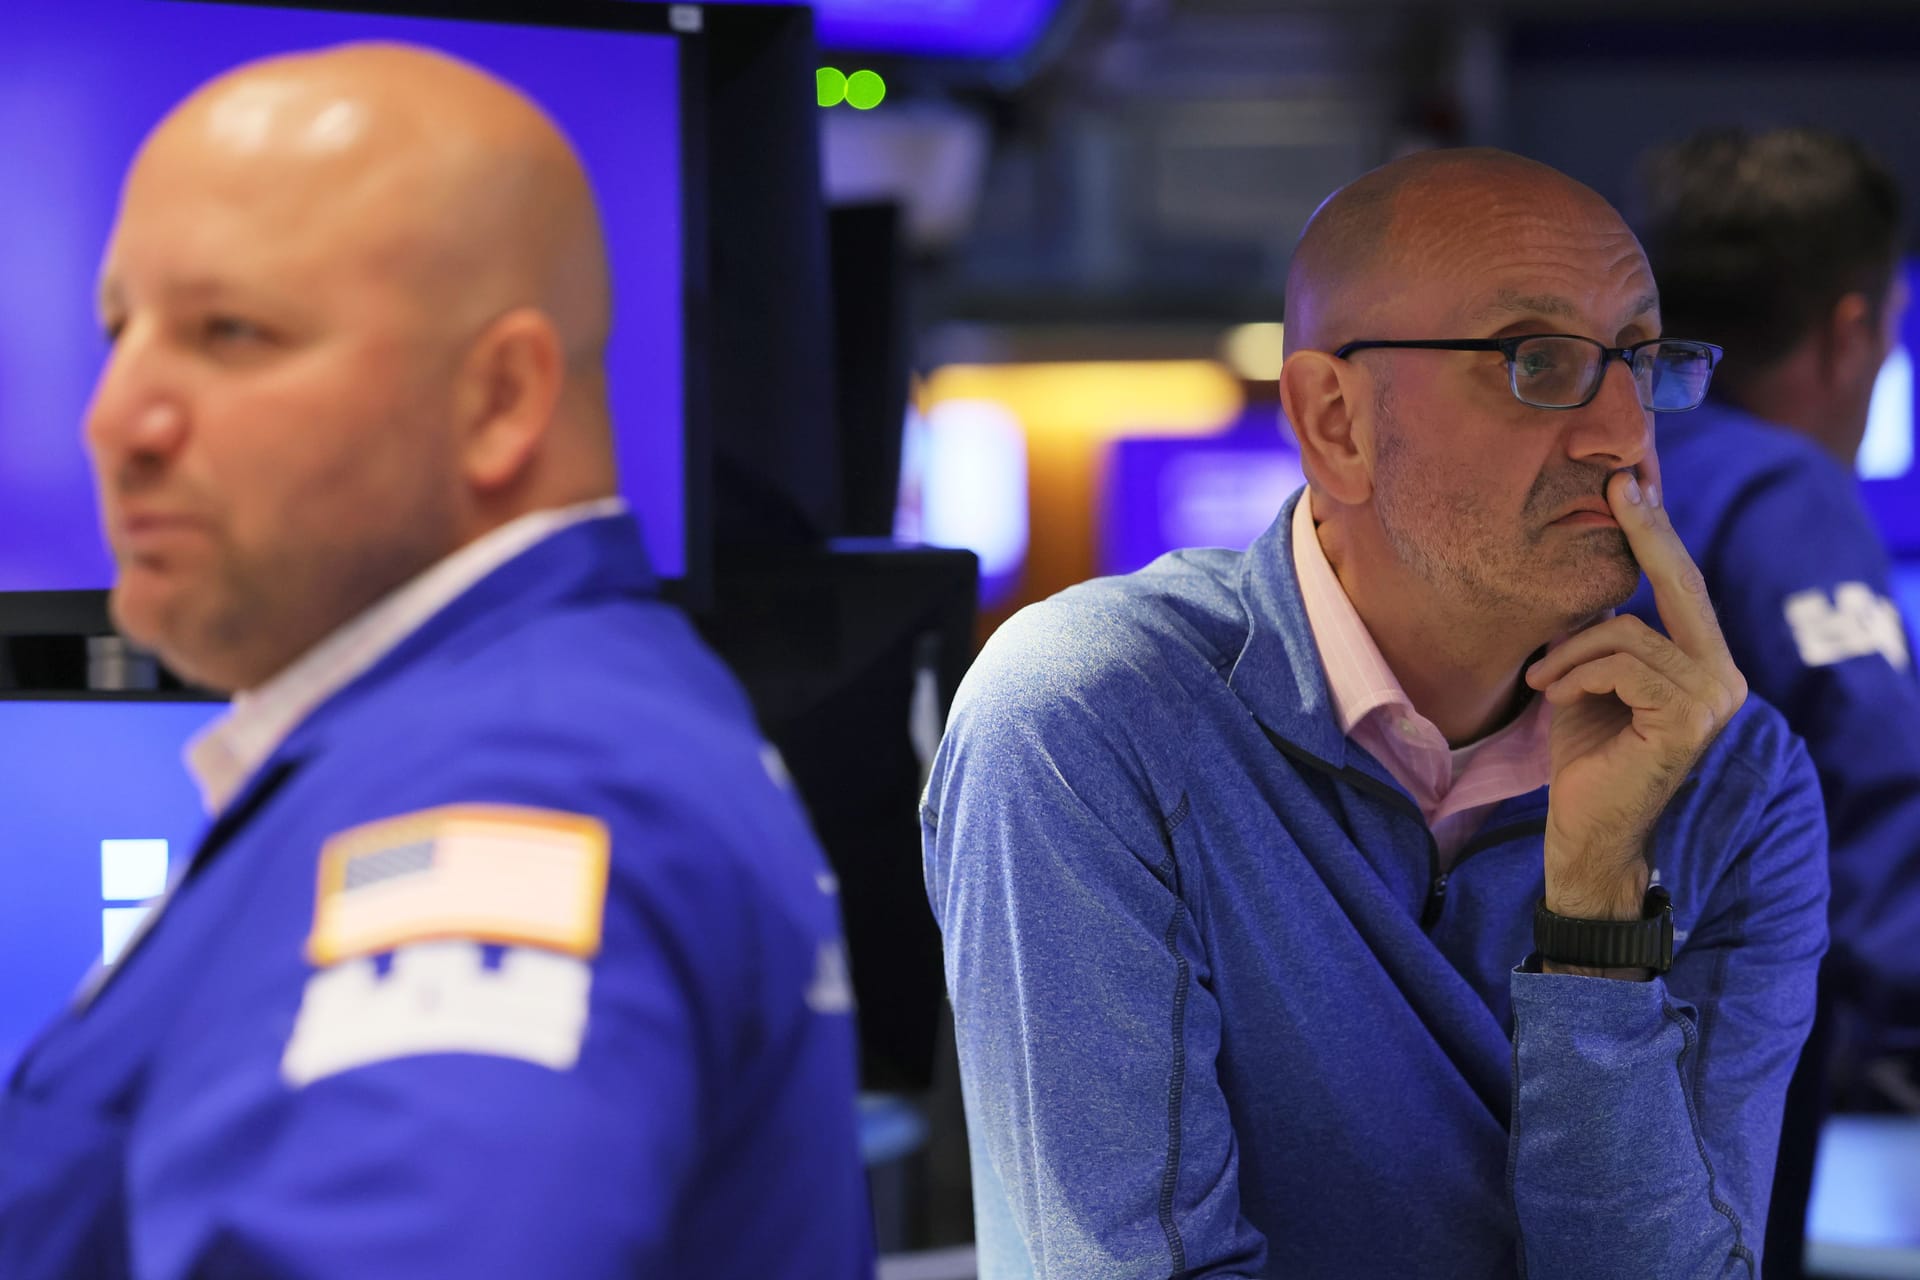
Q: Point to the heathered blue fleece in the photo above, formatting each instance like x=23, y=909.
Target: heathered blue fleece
x=1218, y=1015
x=1801, y=582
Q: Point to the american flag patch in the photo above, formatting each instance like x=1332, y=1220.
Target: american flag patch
x=489, y=873
x=384, y=864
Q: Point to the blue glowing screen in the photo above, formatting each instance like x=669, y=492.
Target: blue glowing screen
x=1864, y=1215
x=1889, y=461
x=101, y=813
x=1906, y=593
x=1164, y=493
x=930, y=28
x=81, y=82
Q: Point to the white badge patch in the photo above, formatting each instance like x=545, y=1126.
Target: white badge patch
x=1855, y=623
x=776, y=766
x=439, y=997
x=488, y=873
x=831, y=990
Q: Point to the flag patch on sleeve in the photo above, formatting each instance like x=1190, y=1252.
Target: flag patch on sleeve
x=489, y=873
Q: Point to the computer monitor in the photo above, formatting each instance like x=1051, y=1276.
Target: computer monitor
x=101, y=814
x=1906, y=593
x=81, y=81
x=855, y=701
x=1165, y=493
x=1889, y=458
x=943, y=29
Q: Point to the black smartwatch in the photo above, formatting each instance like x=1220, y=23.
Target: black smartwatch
x=1646, y=943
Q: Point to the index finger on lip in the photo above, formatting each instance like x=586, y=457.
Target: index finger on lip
x=1679, y=591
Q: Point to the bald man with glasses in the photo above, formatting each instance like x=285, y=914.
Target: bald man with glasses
x=1375, y=902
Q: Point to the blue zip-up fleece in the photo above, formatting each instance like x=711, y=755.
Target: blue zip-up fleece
x=1219, y=1015
x=1801, y=582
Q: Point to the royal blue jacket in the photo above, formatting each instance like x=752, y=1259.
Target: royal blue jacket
x=707, y=1126
x=1219, y=1014
x=1801, y=582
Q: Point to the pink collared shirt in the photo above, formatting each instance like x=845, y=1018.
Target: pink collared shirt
x=1454, y=787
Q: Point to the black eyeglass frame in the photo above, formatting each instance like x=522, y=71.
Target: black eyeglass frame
x=1508, y=347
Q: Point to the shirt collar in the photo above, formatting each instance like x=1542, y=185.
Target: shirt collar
x=1359, y=681
x=1513, y=760
x=227, y=752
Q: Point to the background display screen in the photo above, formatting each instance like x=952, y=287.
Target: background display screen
x=81, y=83
x=101, y=814
x=929, y=28
x=1889, y=462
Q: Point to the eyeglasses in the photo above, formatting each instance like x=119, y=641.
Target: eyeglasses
x=1564, y=370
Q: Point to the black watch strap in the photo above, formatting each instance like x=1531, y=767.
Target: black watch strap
x=1646, y=943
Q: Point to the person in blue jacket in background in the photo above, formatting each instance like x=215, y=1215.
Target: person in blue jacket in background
x=506, y=954
x=1784, y=247
x=1306, y=909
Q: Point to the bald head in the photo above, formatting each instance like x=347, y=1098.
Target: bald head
x=1406, y=223
x=360, y=307
x=409, y=165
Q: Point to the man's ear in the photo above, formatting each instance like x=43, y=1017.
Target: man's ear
x=510, y=386
x=1330, y=404
x=1853, y=341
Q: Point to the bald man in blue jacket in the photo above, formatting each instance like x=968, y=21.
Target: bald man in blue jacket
x=507, y=953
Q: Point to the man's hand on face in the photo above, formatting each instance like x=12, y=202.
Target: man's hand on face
x=1632, y=711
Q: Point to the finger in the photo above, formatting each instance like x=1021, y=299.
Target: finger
x=1679, y=590
x=1622, y=634
x=1620, y=675
x=1648, y=473
x=1687, y=723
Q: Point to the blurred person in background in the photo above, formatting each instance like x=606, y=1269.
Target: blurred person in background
x=1373, y=902
x=505, y=954
x=1784, y=247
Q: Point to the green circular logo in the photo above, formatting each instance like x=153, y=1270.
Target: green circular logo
x=865, y=90
x=831, y=86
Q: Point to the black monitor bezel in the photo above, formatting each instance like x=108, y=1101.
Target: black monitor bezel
x=183, y=695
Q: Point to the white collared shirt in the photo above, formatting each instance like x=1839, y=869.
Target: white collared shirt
x=224, y=755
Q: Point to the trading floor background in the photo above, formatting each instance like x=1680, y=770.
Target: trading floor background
x=931, y=311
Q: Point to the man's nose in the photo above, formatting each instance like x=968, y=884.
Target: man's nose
x=1614, y=428
x=138, y=408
